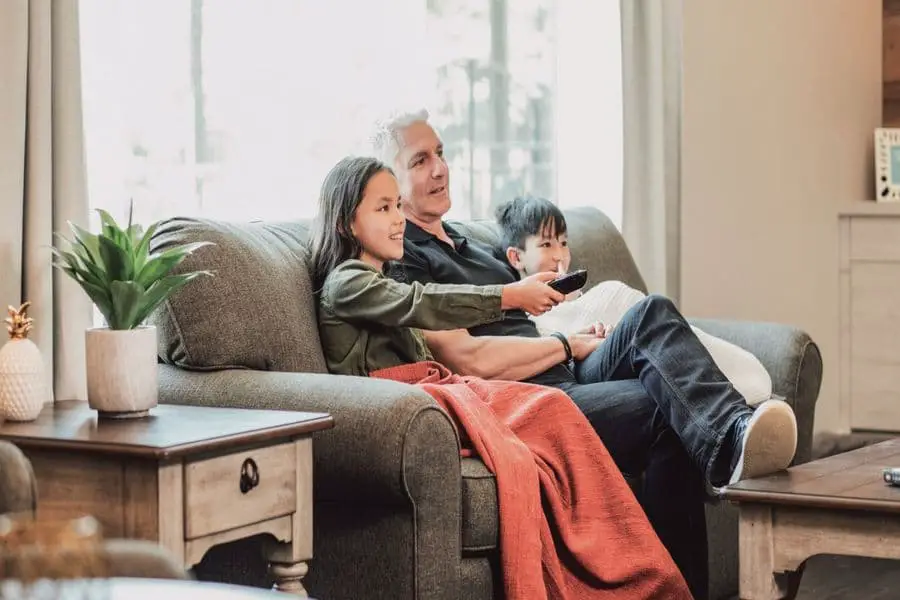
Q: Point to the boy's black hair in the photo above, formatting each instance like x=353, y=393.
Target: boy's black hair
x=525, y=216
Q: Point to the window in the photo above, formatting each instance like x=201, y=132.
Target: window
x=236, y=110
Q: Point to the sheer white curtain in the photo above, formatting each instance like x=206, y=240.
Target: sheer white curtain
x=619, y=124
x=589, y=107
x=234, y=109
x=652, y=119
x=286, y=88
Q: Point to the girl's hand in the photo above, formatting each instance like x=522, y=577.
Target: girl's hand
x=531, y=294
x=597, y=329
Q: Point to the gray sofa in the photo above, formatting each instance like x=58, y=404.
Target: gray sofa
x=397, y=513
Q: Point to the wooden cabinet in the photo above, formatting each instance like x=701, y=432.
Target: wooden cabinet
x=187, y=477
x=870, y=316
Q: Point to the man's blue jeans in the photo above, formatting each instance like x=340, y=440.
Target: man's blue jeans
x=664, y=410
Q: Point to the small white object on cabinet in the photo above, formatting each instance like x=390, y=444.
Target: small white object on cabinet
x=23, y=376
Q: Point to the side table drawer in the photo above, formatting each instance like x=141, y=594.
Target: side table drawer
x=239, y=489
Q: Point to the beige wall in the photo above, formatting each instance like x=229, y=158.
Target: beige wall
x=780, y=101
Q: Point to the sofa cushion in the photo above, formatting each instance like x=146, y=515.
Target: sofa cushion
x=256, y=312
x=480, y=515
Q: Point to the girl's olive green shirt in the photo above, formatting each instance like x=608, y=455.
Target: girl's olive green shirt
x=369, y=322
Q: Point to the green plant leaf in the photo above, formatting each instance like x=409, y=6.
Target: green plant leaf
x=161, y=264
x=89, y=243
x=118, y=261
x=163, y=289
x=134, y=230
x=86, y=247
x=99, y=272
x=110, y=228
x=142, y=248
x=127, y=299
x=78, y=250
x=135, y=233
x=96, y=271
x=69, y=257
x=73, y=262
x=96, y=293
x=108, y=219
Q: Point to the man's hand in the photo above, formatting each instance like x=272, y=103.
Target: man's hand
x=583, y=344
x=531, y=294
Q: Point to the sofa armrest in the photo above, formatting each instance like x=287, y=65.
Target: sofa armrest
x=18, y=486
x=793, y=361
x=384, y=432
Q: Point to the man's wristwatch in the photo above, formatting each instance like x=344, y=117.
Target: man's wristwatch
x=565, y=342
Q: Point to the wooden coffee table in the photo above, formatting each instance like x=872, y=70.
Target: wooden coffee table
x=186, y=477
x=837, y=505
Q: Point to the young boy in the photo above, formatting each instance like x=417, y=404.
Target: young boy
x=534, y=234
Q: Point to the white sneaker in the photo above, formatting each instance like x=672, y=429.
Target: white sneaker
x=769, y=441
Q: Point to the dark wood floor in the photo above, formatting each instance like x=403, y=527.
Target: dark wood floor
x=850, y=578
x=845, y=577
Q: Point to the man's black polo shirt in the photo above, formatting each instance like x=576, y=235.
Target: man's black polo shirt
x=426, y=259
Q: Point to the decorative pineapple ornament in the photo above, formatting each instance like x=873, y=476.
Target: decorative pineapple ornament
x=23, y=383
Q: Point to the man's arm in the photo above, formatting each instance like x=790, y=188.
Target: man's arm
x=510, y=358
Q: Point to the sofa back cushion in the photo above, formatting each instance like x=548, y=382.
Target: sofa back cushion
x=255, y=312
x=258, y=311
x=595, y=243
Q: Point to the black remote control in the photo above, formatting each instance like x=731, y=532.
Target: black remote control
x=568, y=283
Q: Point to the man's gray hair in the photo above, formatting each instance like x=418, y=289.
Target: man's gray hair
x=385, y=140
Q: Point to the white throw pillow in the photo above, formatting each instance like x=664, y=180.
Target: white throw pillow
x=608, y=302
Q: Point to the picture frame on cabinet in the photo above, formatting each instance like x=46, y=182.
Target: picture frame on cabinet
x=887, y=164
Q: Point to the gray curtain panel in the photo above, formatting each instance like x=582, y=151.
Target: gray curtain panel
x=42, y=177
x=651, y=85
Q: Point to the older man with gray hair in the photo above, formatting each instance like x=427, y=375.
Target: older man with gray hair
x=660, y=404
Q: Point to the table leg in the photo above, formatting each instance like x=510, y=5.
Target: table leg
x=287, y=560
x=758, y=577
x=289, y=577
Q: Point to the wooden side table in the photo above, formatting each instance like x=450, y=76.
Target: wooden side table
x=186, y=477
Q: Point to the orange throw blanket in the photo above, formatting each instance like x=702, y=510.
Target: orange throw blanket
x=570, y=527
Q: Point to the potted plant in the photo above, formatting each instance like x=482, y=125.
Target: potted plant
x=126, y=283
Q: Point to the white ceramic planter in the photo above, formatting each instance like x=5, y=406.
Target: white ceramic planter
x=121, y=371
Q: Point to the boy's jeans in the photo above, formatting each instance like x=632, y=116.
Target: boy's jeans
x=664, y=410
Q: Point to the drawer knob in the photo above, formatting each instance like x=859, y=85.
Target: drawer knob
x=249, y=475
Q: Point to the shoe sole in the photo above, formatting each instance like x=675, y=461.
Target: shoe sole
x=770, y=441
